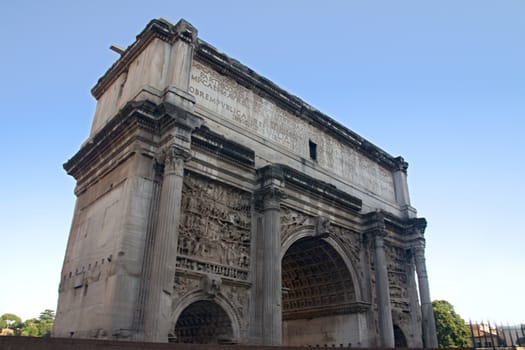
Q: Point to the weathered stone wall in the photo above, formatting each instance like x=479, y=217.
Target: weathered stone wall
x=214, y=206
x=146, y=73
x=280, y=136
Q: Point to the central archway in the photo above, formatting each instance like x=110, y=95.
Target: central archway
x=203, y=322
x=319, y=296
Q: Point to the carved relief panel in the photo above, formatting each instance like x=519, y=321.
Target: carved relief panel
x=293, y=221
x=214, y=233
x=351, y=242
x=398, y=278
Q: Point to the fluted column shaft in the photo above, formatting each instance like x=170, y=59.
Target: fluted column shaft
x=158, y=306
x=427, y=313
x=271, y=268
x=386, y=327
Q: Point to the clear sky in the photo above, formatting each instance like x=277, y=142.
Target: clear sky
x=441, y=83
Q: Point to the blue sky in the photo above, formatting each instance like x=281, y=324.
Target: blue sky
x=441, y=83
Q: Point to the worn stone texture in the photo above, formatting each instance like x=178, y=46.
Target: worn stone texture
x=213, y=206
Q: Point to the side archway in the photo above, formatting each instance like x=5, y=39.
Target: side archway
x=307, y=232
x=400, y=340
x=203, y=320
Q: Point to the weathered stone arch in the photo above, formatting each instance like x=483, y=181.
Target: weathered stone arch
x=307, y=231
x=219, y=300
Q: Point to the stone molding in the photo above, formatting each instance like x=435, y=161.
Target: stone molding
x=401, y=164
x=322, y=227
x=174, y=158
x=166, y=31
x=319, y=188
x=418, y=226
x=271, y=191
x=145, y=115
x=220, y=146
x=375, y=225
x=269, y=198
x=262, y=86
x=127, y=133
x=156, y=29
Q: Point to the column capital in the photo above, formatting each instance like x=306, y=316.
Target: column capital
x=376, y=227
x=173, y=157
x=418, y=251
x=271, y=191
x=269, y=197
x=418, y=226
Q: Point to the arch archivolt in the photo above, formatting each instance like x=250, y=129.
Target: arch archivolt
x=219, y=299
x=304, y=227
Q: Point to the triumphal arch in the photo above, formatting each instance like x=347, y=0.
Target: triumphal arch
x=215, y=207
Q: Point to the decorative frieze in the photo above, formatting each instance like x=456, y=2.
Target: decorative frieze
x=214, y=233
x=397, y=258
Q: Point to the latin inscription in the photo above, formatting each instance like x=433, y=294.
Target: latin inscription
x=191, y=264
x=252, y=112
x=245, y=108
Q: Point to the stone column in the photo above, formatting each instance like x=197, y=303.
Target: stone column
x=386, y=327
x=427, y=313
x=270, y=296
x=162, y=271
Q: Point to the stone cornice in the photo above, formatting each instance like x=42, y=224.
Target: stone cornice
x=156, y=28
x=166, y=31
x=97, y=148
x=222, y=147
x=403, y=231
x=320, y=188
x=262, y=86
x=134, y=116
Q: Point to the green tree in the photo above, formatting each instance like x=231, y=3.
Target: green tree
x=30, y=328
x=10, y=321
x=47, y=315
x=452, y=331
x=34, y=327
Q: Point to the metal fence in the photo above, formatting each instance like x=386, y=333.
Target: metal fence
x=492, y=336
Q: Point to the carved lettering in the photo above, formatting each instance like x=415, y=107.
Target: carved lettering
x=241, y=106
